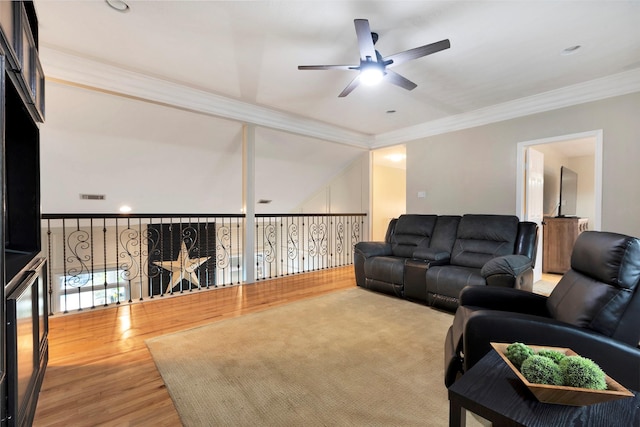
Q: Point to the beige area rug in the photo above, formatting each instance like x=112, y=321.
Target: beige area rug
x=351, y=358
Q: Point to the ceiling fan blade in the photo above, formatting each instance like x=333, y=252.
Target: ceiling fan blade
x=328, y=67
x=365, y=40
x=350, y=87
x=398, y=80
x=418, y=52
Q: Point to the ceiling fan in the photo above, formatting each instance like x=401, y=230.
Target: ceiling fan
x=373, y=66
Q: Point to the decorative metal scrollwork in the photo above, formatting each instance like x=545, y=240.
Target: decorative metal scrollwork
x=292, y=241
x=151, y=240
x=130, y=244
x=317, y=239
x=190, y=237
x=78, y=275
x=355, y=233
x=339, y=237
x=270, y=243
x=223, y=237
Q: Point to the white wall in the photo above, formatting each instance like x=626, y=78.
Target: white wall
x=347, y=192
x=153, y=158
x=160, y=159
x=584, y=167
x=350, y=189
x=171, y=160
x=290, y=168
x=474, y=170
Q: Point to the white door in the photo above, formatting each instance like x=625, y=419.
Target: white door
x=534, y=198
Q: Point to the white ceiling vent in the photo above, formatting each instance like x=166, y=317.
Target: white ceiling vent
x=93, y=196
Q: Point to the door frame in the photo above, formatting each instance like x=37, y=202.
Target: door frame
x=537, y=196
x=520, y=170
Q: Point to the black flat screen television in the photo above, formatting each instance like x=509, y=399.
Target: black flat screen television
x=568, y=192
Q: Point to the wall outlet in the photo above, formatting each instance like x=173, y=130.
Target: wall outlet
x=422, y=194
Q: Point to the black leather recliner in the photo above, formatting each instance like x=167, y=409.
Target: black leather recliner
x=594, y=310
x=380, y=266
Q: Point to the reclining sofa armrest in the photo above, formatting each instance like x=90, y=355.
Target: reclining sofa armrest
x=504, y=299
x=370, y=249
x=512, y=271
x=508, y=264
x=364, y=250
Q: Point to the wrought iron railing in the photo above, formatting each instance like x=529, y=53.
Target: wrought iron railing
x=290, y=244
x=102, y=259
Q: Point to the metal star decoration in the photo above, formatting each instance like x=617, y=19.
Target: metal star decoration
x=182, y=268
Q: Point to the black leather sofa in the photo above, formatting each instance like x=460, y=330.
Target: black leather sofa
x=594, y=310
x=430, y=258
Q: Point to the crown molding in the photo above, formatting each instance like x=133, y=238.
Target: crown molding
x=71, y=69
x=79, y=71
x=615, y=85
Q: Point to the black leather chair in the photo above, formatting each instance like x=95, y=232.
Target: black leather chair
x=594, y=310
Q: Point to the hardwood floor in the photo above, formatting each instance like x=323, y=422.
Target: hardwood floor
x=101, y=373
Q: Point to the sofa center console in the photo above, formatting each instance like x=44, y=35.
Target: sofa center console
x=415, y=280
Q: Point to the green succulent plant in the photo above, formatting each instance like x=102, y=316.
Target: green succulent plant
x=541, y=370
x=554, y=355
x=518, y=353
x=578, y=371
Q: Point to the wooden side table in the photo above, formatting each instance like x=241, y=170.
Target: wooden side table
x=558, y=238
x=493, y=391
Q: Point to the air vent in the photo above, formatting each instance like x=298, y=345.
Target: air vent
x=93, y=196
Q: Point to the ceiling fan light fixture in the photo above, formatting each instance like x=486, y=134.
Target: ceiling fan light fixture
x=373, y=66
x=371, y=75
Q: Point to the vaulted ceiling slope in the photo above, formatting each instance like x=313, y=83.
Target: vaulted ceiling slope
x=238, y=59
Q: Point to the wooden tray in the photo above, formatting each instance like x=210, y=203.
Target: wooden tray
x=563, y=395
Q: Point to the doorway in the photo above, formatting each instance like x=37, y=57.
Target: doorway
x=581, y=150
x=388, y=188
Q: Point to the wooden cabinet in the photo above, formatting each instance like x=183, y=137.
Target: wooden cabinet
x=8, y=16
x=19, y=51
x=559, y=235
x=23, y=313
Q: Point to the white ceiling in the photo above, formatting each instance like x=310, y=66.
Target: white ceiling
x=238, y=60
x=249, y=51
